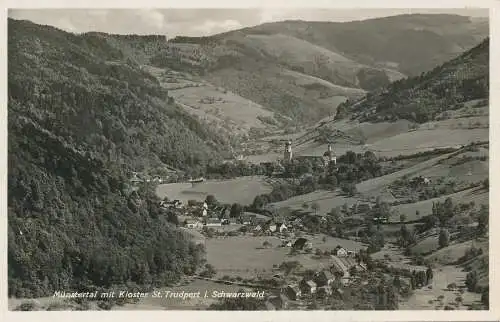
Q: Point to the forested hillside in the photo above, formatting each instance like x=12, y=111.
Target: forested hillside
x=80, y=117
x=423, y=98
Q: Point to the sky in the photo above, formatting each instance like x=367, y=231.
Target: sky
x=200, y=22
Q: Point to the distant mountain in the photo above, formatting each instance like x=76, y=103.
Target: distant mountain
x=303, y=70
x=422, y=98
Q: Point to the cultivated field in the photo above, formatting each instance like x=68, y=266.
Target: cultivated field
x=241, y=190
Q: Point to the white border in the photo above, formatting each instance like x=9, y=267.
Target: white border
x=125, y=316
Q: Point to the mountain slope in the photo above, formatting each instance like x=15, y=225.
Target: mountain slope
x=409, y=43
x=83, y=89
x=80, y=117
x=423, y=98
x=272, y=64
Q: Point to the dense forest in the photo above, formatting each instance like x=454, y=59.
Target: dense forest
x=422, y=98
x=80, y=118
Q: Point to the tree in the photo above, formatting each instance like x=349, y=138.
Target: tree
x=315, y=207
x=483, y=219
x=236, y=210
x=210, y=200
x=349, y=189
x=444, y=238
x=402, y=218
x=471, y=281
x=267, y=244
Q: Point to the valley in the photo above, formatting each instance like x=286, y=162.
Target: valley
x=280, y=158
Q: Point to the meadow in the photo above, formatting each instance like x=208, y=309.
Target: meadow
x=240, y=190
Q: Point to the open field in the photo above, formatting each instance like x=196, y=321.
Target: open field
x=253, y=260
x=427, y=298
x=241, y=190
x=326, y=200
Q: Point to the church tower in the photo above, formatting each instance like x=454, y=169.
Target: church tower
x=287, y=156
x=329, y=156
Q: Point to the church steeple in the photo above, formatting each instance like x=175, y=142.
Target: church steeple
x=329, y=156
x=287, y=155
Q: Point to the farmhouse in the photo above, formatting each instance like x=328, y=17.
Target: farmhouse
x=193, y=223
x=281, y=227
x=293, y=292
x=340, y=251
x=308, y=286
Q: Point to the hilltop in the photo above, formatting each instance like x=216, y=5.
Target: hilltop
x=430, y=96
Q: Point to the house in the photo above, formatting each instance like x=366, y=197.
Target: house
x=157, y=179
x=193, y=224
x=340, y=251
x=273, y=228
x=323, y=278
x=281, y=227
x=308, y=286
x=293, y=292
x=213, y=222
x=257, y=228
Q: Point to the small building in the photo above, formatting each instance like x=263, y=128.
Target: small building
x=273, y=228
x=281, y=227
x=257, y=228
x=213, y=222
x=293, y=292
x=308, y=286
x=193, y=224
x=324, y=278
x=340, y=251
